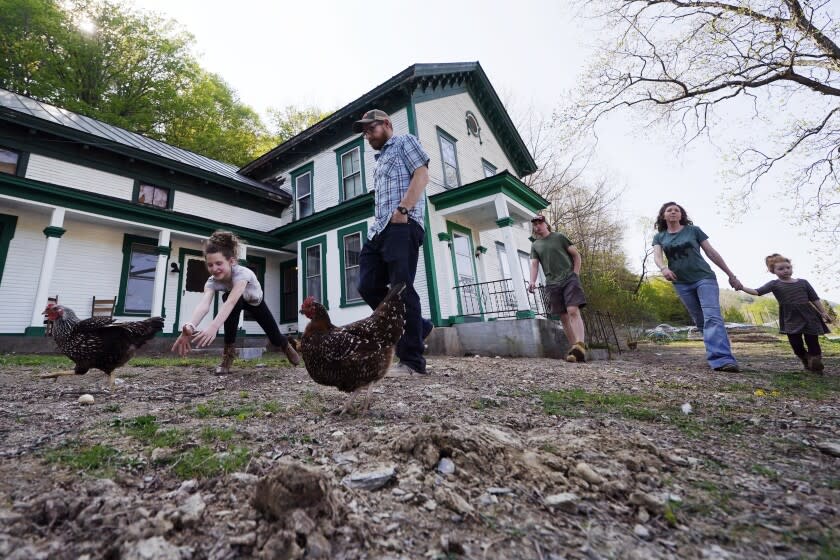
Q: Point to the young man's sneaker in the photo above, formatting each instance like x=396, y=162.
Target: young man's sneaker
x=728, y=368
x=577, y=353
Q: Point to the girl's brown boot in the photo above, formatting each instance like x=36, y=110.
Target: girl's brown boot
x=227, y=360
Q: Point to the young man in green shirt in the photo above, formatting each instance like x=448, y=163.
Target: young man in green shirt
x=560, y=261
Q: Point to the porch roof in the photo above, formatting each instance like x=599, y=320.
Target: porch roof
x=479, y=200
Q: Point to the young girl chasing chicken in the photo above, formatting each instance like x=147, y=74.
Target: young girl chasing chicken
x=801, y=315
x=241, y=290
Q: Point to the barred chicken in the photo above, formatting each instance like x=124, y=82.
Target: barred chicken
x=98, y=342
x=357, y=355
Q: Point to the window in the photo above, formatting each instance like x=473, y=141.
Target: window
x=137, y=284
x=302, y=184
x=449, y=158
x=351, y=169
x=489, y=168
x=350, y=242
x=315, y=269
x=8, y=161
x=152, y=195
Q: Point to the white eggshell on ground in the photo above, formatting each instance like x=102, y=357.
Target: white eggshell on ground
x=86, y=399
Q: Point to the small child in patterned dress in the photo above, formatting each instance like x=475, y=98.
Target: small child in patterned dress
x=801, y=314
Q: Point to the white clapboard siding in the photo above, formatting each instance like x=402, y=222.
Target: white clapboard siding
x=449, y=113
x=58, y=172
x=186, y=203
x=22, y=269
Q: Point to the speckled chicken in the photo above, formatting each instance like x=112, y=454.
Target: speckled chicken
x=98, y=342
x=357, y=355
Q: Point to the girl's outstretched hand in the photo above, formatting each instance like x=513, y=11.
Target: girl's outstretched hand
x=182, y=343
x=204, y=338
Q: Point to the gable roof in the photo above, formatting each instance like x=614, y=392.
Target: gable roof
x=42, y=116
x=392, y=95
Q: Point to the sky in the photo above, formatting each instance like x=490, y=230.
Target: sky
x=326, y=54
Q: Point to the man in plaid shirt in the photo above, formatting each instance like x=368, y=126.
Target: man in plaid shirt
x=393, y=247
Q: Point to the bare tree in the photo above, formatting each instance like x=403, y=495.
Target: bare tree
x=681, y=60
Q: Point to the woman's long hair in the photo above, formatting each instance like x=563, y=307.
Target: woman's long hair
x=660, y=218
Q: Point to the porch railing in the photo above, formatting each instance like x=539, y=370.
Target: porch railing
x=497, y=299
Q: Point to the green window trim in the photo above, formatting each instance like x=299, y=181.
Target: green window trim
x=320, y=241
x=450, y=228
x=8, y=224
x=443, y=135
x=360, y=228
x=135, y=194
x=128, y=241
x=300, y=171
x=359, y=144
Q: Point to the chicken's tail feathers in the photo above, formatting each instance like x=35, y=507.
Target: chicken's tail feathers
x=395, y=291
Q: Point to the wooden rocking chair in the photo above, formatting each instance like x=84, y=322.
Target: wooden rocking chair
x=102, y=307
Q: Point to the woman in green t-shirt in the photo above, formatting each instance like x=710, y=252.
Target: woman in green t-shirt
x=680, y=241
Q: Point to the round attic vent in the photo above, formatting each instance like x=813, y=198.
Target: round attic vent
x=473, y=127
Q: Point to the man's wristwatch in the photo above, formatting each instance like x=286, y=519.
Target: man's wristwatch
x=402, y=210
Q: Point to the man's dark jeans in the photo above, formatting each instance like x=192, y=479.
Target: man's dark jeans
x=388, y=258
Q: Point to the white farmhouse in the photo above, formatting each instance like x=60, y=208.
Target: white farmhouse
x=89, y=210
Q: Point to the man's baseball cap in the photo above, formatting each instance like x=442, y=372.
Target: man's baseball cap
x=371, y=116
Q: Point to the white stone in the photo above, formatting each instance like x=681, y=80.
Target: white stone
x=86, y=399
x=641, y=531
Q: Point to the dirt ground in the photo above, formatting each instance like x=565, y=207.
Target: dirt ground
x=486, y=458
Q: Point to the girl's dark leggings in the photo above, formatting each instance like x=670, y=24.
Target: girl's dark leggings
x=261, y=314
x=795, y=340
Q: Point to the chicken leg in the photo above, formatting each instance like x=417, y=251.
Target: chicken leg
x=56, y=374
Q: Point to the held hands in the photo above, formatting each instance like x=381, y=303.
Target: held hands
x=735, y=283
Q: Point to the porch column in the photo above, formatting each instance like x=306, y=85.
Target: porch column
x=243, y=260
x=163, y=251
x=505, y=223
x=53, y=232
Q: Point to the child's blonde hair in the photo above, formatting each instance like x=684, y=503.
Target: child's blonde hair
x=771, y=260
x=225, y=242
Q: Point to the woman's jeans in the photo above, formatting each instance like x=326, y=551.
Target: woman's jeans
x=702, y=299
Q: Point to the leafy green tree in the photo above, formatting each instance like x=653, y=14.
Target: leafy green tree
x=290, y=121
x=29, y=34
x=733, y=315
x=664, y=301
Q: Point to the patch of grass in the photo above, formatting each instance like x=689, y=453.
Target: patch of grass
x=145, y=428
x=815, y=387
x=737, y=388
x=687, y=424
x=211, y=434
x=112, y=408
x=204, y=462
x=89, y=458
x=674, y=385
x=312, y=401
x=829, y=546
x=640, y=413
x=45, y=360
x=272, y=406
x=764, y=471
x=570, y=402
x=482, y=403
x=720, y=498
x=512, y=393
x=243, y=394
x=213, y=409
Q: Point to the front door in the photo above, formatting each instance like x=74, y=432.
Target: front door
x=463, y=260
x=193, y=277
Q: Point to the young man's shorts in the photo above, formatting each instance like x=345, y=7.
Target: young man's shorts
x=567, y=293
